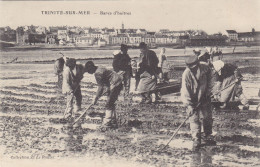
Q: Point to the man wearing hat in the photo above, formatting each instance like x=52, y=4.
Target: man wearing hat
x=195, y=96
x=228, y=79
x=122, y=65
x=148, y=73
x=106, y=78
x=72, y=76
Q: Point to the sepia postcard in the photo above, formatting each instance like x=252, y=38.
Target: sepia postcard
x=122, y=83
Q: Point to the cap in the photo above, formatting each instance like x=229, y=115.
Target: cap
x=71, y=62
x=89, y=65
x=123, y=46
x=192, y=60
x=142, y=45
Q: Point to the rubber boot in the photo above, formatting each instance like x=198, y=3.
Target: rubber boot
x=108, y=118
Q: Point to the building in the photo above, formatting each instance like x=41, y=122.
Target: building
x=171, y=40
x=119, y=39
x=101, y=42
x=40, y=30
x=121, y=31
x=86, y=41
x=111, y=32
x=21, y=37
x=62, y=33
x=131, y=31
x=135, y=39
x=160, y=39
x=252, y=36
x=148, y=39
x=97, y=35
x=51, y=39
x=246, y=36
x=141, y=31
x=73, y=37
x=208, y=40
x=232, y=35
x=107, y=38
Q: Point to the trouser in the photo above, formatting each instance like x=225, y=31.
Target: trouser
x=60, y=80
x=70, y=102
x=126, y=75
x=137, y=79
x=110, y=116
x=201, y=118
x=239, y=93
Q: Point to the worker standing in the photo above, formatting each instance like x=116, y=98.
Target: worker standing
x=195, y=96
x=122, y=65
x=148, y=73
x=72, y=75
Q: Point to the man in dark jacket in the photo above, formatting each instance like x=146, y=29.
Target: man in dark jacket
x=148, y=73
x=122, y=65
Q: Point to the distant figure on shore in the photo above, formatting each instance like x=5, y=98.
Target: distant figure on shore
x=229, y=79
x=58, y=69
x=106, y=78
x=122, y=65
x=148, y=73
x=216, y=54
x=163, y=68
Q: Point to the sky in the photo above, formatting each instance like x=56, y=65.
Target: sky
x=213, y=16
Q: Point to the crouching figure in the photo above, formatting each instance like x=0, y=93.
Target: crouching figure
x=106, y=78
x=228, y=84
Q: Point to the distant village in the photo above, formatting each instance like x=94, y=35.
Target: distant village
x=90, y=37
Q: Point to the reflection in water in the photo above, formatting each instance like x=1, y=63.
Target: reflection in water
x=201, y=158
x=74, y=138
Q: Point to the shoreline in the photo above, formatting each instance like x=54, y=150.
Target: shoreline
x=71, y=48
x=110, y=58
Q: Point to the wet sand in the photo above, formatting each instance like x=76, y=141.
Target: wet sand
x=31, y=131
